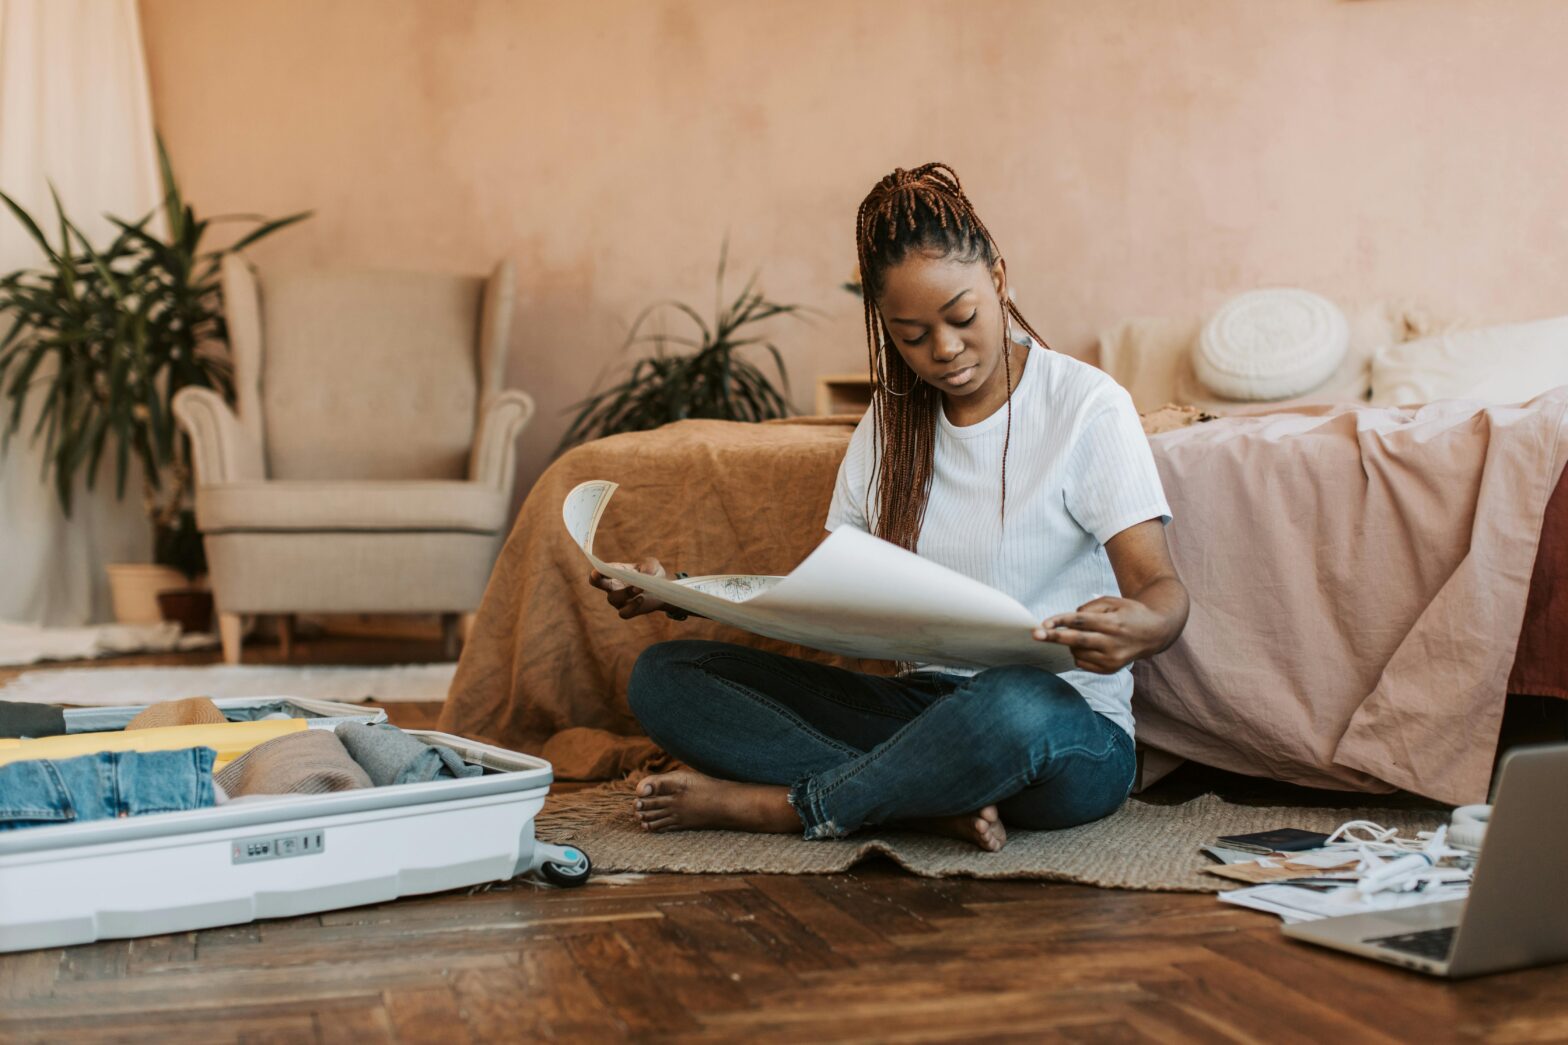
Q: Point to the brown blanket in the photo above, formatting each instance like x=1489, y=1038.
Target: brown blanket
x=548, y=653
x=1359, y=579
x=1274, y=677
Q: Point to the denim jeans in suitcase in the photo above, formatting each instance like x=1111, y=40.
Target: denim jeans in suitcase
x=106, y=785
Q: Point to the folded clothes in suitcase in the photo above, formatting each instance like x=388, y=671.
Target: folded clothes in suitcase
x=271, y=856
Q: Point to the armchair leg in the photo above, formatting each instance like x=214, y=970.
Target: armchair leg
x=286, y=635
x=451, y=635
x=231, y=630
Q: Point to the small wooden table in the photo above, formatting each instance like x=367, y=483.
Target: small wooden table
x=843, y=393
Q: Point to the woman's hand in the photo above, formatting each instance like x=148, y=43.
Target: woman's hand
x=629, y=601
x=1108, y=633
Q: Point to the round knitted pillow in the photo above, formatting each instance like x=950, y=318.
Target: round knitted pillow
x=1271, y=344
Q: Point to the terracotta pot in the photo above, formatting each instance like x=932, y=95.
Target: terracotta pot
x=134, y=587
x=190, y=608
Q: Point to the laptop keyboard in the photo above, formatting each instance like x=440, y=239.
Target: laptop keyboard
x=1433, y=944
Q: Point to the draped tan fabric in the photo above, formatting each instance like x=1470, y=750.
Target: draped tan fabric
x=547, y=653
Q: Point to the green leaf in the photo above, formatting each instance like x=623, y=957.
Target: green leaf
x=268, y=229
x=173, y=206
x=778, y=361
x=98, y=263
x=29, y=224
x=122, y=454
x=97, y=438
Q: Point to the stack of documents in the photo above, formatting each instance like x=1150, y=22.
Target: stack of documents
x=1299, y=903
x=1324, y=883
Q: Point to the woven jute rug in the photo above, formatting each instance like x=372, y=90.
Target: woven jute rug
x=1142, y=846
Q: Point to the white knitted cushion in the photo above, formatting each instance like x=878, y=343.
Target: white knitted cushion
x=1271, y=344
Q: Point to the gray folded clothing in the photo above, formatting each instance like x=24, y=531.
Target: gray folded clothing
x=30, y=720
x=391, y=756
x=310, y=762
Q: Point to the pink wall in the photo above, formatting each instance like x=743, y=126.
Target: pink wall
x=1132, y=156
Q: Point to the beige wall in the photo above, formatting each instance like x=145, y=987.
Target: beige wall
x=1132, y=156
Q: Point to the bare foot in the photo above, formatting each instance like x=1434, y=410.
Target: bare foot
x=688, y=800
x=983, y=828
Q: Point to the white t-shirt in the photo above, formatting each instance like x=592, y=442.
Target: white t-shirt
x=1079, y=471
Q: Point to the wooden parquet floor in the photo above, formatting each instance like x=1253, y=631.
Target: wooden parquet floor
x=872, y=955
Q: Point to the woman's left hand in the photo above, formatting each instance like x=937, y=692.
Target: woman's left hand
x=1107, y=633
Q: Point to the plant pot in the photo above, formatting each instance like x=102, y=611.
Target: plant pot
x=134, y=588
x=190, y=608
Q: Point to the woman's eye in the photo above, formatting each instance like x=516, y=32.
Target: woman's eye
x=966, y=322
x=914, y=340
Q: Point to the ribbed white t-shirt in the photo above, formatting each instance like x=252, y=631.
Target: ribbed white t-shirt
x=1079, y=471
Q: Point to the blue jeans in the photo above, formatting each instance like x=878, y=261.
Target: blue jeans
x=108, y=784
x=858, y=750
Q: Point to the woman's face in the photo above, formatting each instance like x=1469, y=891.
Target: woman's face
x=945, y=317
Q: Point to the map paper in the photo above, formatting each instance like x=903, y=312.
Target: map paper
x=855, y=595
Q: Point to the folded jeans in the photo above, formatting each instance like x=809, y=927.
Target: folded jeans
x=105, y=785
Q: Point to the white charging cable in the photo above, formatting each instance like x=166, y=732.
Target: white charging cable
x=1373, y=837
x=1385, y=858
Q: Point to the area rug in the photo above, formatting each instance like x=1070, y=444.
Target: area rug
x=106, y=686
x=29, y=643
x=1142, y=846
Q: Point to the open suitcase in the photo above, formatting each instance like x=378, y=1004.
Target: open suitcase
x=277, y=856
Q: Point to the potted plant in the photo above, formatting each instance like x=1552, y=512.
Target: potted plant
x=101, y=339
x=710, y=381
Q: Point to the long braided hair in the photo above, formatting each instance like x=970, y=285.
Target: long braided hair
x=920, y=210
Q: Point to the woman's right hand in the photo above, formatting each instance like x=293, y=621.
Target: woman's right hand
x=628, y=600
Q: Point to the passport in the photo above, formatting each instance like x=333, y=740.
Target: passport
x=1279, y=840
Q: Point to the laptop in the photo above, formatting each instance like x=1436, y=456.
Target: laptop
x=1514, y=916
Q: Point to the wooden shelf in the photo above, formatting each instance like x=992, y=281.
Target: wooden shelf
x=843, y=394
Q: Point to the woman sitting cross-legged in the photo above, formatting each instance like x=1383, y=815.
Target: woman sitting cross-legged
x=992, y=455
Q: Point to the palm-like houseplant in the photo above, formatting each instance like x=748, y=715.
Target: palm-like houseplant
x=101, y=339
x=710, y=380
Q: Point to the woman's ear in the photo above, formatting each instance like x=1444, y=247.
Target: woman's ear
x=999, y=278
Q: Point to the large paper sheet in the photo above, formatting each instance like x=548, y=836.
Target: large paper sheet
x=855, y=595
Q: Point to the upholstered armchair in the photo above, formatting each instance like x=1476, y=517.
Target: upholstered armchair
x=369, y=465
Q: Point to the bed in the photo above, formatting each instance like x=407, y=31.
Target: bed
x=1480, y=615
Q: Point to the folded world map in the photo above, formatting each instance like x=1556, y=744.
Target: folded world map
x=855, y=595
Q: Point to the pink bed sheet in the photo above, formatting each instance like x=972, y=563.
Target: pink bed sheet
x=1359, y=579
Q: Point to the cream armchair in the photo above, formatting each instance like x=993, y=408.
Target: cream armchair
x=370, y=463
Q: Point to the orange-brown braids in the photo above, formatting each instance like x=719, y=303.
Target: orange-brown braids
x=922, y=209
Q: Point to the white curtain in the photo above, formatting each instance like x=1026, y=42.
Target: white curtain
x=74, y=111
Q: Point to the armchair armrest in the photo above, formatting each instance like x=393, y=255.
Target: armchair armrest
x=494, y=460
x=222, y=449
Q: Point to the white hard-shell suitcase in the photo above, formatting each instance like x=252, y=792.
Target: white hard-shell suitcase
x=276, y=856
